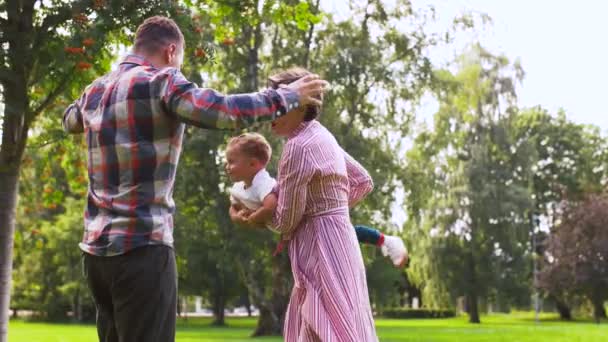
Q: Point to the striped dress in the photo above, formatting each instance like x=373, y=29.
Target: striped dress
x=317, y=182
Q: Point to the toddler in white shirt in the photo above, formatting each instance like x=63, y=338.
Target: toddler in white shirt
x=253, y=202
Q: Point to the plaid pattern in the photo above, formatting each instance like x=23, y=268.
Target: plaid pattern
x=133, y=119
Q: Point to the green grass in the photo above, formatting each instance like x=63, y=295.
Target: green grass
x=514, y=327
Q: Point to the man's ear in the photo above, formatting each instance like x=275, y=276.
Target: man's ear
x=171, y=53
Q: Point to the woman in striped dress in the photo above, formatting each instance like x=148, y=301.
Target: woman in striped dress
x=317, y=183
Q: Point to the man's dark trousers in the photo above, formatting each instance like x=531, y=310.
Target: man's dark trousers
x=135, y=294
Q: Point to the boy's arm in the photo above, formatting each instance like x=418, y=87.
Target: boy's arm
x=265, y=212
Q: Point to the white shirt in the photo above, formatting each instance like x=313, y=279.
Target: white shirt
x=253, y=196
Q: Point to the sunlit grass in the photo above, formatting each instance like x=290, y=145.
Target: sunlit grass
x=514, y=327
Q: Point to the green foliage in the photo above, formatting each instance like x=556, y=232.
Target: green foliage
x=48, y=273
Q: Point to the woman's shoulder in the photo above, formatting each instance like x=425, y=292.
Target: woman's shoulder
x=314, y=134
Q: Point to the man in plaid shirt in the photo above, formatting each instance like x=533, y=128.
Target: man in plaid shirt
x=133, y=119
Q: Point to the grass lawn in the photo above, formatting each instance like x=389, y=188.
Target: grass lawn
x=514, y=327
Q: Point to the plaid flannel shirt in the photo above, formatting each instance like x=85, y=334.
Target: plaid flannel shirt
x=133, y=119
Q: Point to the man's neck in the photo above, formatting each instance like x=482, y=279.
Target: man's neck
x=155, y=60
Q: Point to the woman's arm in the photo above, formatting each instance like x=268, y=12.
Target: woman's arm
x=295, y=172
x=234, y=214
x=359, y=181
x=265, y=212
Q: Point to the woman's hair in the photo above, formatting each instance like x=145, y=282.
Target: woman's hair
x=252, y=145
x=291, y=75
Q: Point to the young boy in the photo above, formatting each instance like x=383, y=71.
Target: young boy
x=252, y=202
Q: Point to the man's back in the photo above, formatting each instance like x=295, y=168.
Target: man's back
x=133, y=150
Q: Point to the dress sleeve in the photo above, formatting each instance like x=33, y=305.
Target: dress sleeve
x=295, y=172
x=359, y=181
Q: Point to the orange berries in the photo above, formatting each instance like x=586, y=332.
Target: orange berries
x=198, y=29
x=88, y=42
x=99, y=4
x=80, y=18
x=228, y=41
x=84, y=66
x=200, y=52
x=73, y=50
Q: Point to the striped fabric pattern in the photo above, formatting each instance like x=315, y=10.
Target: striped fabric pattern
x=317, y=180
x=133, y=119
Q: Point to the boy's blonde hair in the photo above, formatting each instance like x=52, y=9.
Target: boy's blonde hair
x=253, y=145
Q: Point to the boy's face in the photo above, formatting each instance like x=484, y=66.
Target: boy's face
x=239, y=167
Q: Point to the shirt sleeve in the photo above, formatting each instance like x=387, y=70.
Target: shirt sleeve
x=72, y=117
x=265, y=188
x=359, y=181
x=295, y=172
x=207, y=108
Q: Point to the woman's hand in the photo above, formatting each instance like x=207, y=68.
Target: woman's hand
x=239, y=216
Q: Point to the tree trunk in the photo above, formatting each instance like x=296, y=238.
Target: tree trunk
x=15, y=126
x=219, y=306
x=472, y=297
x=308, y=37
x=268, y=325
x=414, y=292
x=272, y=316
x=473, y=307
x=248, y=303
x=8, y=201
x=563, y=310
x=599, y=311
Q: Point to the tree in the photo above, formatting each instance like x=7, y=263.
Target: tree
x=577, y=251
x=569, y=161
x=471, y=208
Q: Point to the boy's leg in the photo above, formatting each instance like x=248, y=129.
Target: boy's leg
x=392, y=246
x=145, y=294
x=369, y=235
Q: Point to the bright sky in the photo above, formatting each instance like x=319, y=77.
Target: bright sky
x=562, y=45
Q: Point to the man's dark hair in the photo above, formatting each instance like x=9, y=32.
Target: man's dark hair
x=157, y=32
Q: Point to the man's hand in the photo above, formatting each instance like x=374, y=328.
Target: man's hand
x=310, y=89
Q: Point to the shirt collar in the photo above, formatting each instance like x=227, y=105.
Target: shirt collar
x=301, y=128
x=136, y=59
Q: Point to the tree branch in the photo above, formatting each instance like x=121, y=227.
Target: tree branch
x=50, y=23
x=52, y=95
